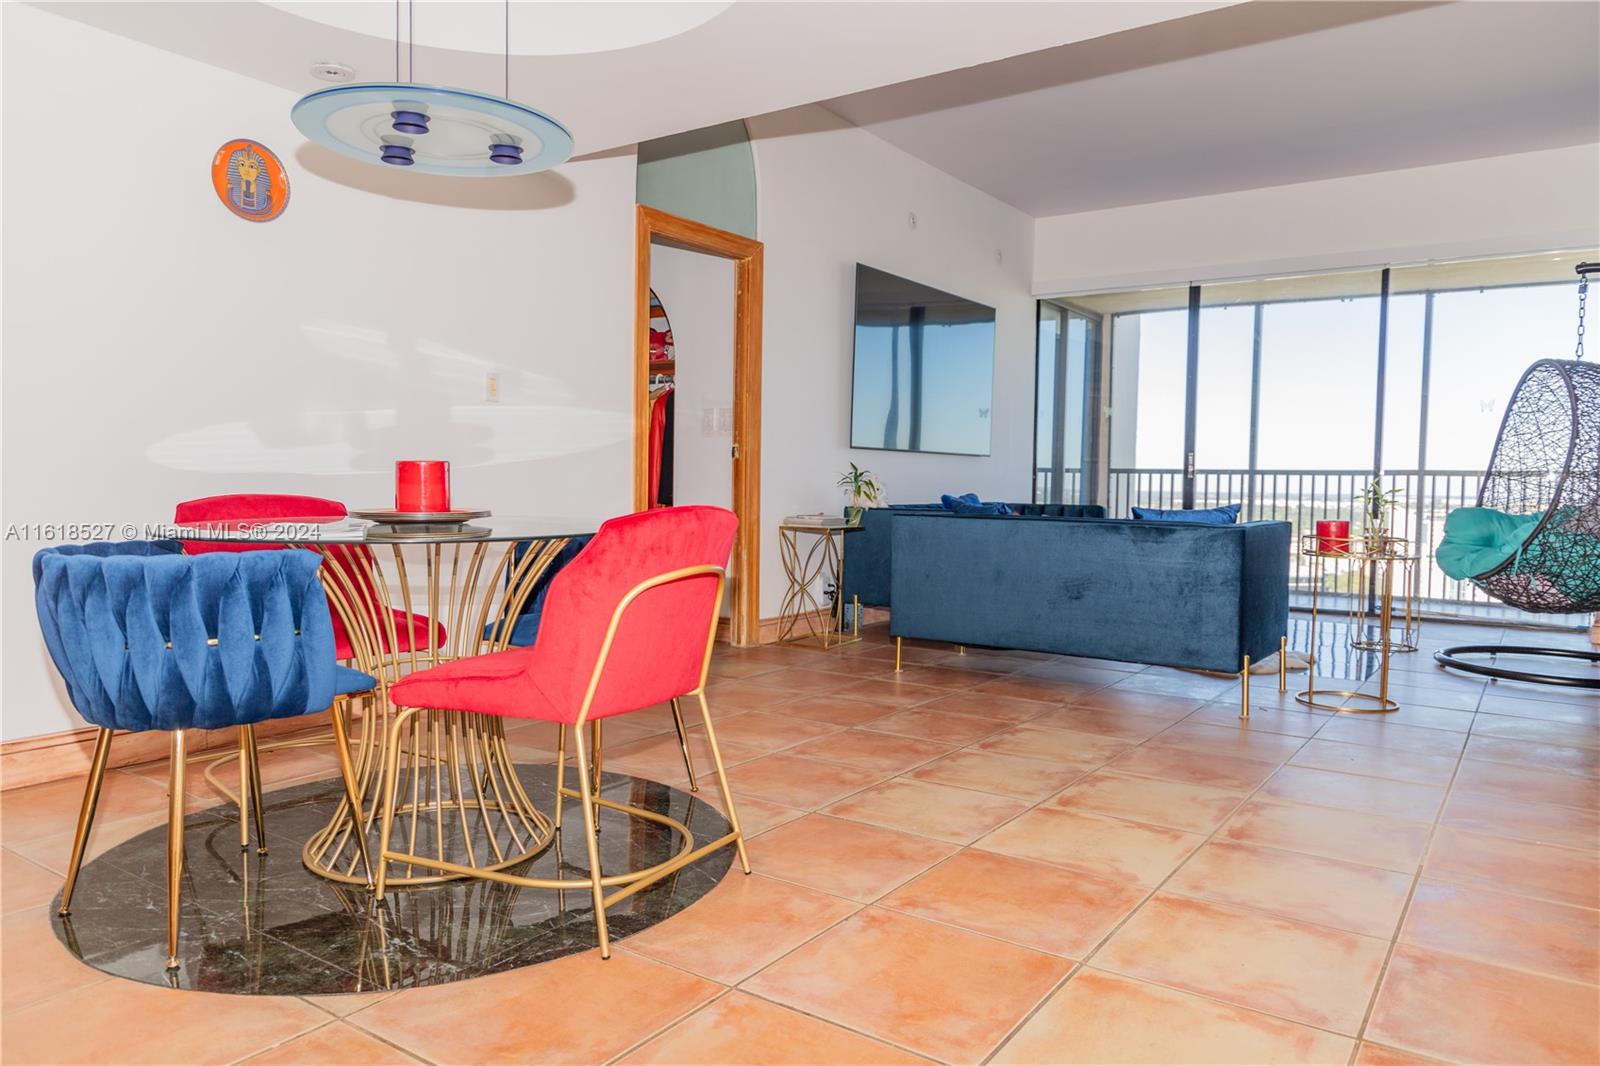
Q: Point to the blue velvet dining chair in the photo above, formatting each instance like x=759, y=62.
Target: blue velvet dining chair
x=147, y=638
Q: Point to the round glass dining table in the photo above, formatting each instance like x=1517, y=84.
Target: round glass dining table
x=410, y=595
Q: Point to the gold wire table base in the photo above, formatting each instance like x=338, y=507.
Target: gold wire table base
x=457, y=799
x=1396, y=647
x=1376, y=559
x=824, y=557
x=1310, y=697
x=1403, y=631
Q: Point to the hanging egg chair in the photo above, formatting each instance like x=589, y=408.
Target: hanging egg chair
x=1537, y=520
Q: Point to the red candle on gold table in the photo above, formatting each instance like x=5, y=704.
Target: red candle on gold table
x=1333, y=537
x=422, y=485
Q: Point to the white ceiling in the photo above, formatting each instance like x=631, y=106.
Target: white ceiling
x=749, y=59
x=525, y=27
x=1252, y=96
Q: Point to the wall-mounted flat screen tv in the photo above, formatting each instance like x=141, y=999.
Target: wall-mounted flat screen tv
x=924, y=368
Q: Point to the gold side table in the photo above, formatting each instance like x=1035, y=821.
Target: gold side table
x=1405, y=626
x=806, y=564
x=1377, y=559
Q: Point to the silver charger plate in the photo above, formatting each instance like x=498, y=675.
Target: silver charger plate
x=423, y=531
x=390, y=517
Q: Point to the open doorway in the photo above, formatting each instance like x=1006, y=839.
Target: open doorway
x=742, y=439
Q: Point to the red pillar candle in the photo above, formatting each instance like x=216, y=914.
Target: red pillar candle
x=421, y=485
x=1333, y=537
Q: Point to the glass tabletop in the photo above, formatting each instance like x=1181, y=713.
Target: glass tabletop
x=359, y=531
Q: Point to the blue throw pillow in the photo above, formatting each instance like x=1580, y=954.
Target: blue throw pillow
x=1213, y=516
x=963, y=507
x=952, y=502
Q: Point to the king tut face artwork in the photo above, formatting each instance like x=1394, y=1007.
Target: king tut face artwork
x=250, y=180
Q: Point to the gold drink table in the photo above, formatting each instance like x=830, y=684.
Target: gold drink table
x=459, y=798
x=822, y=558
x=1405, y=628
x=1378, y=557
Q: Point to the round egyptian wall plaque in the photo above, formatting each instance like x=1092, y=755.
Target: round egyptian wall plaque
x=250, y=180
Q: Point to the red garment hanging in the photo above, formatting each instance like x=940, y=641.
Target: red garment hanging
x=658, y=430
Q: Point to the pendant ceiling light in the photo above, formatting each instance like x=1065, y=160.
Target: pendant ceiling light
x=433, y=129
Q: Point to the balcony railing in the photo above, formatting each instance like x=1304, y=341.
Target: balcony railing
x=1302, y=498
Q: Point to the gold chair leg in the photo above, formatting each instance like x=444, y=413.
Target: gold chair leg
x=244, y=791
x=352, y=792
x=386, y=798
x=595, y=788
x=91, y=798
x=174, y=846
x=683, y=742
x=1283, y=664
x=586, y=801
x=561, y=773
x=722, y=781
x=1244, y=689
x=258, y=810
x=897, y=655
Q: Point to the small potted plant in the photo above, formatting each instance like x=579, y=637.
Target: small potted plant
x=1377, y=509
x=863, y=489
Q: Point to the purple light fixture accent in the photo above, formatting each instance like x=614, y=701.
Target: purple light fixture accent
x=398, y=155
x=506, y=154
x=410, y=122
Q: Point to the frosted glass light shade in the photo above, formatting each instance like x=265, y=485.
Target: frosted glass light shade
x=464, y=129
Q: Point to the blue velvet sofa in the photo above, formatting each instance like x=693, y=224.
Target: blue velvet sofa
x=867, y=552
x=1161, y=593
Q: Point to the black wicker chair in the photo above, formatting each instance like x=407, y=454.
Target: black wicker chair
x=1546, y=461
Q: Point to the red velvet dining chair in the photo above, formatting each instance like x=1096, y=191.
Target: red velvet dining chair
x=267, y=507
x=627, y=625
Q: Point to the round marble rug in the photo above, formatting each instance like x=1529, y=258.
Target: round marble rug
x=256, y=924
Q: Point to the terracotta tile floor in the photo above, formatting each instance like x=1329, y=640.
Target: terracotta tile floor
x=996, y=856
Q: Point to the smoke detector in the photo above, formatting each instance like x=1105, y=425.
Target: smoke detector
x=334, y=72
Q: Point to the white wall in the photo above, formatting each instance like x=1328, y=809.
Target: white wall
x=697, y=292
x=1532, y=202
x=157, y=348
x=832, y=195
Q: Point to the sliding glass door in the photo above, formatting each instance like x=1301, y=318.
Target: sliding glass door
x=1289, y=396
x=1068, y=348
x=1142, y=408
x=1473, y=344
x=1225, y=412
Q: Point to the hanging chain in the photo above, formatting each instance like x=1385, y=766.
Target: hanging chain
x=1583, y=299
x=411, y=35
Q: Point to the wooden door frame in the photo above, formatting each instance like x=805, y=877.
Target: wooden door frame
x=653, y=225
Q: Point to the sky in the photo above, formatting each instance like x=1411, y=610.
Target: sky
x=1318, y=378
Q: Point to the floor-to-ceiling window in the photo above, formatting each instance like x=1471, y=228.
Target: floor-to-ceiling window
x=1226, y=366
x=1290, y=395
x=1068, y=346
x=1134, y=418
x=1477, y=327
